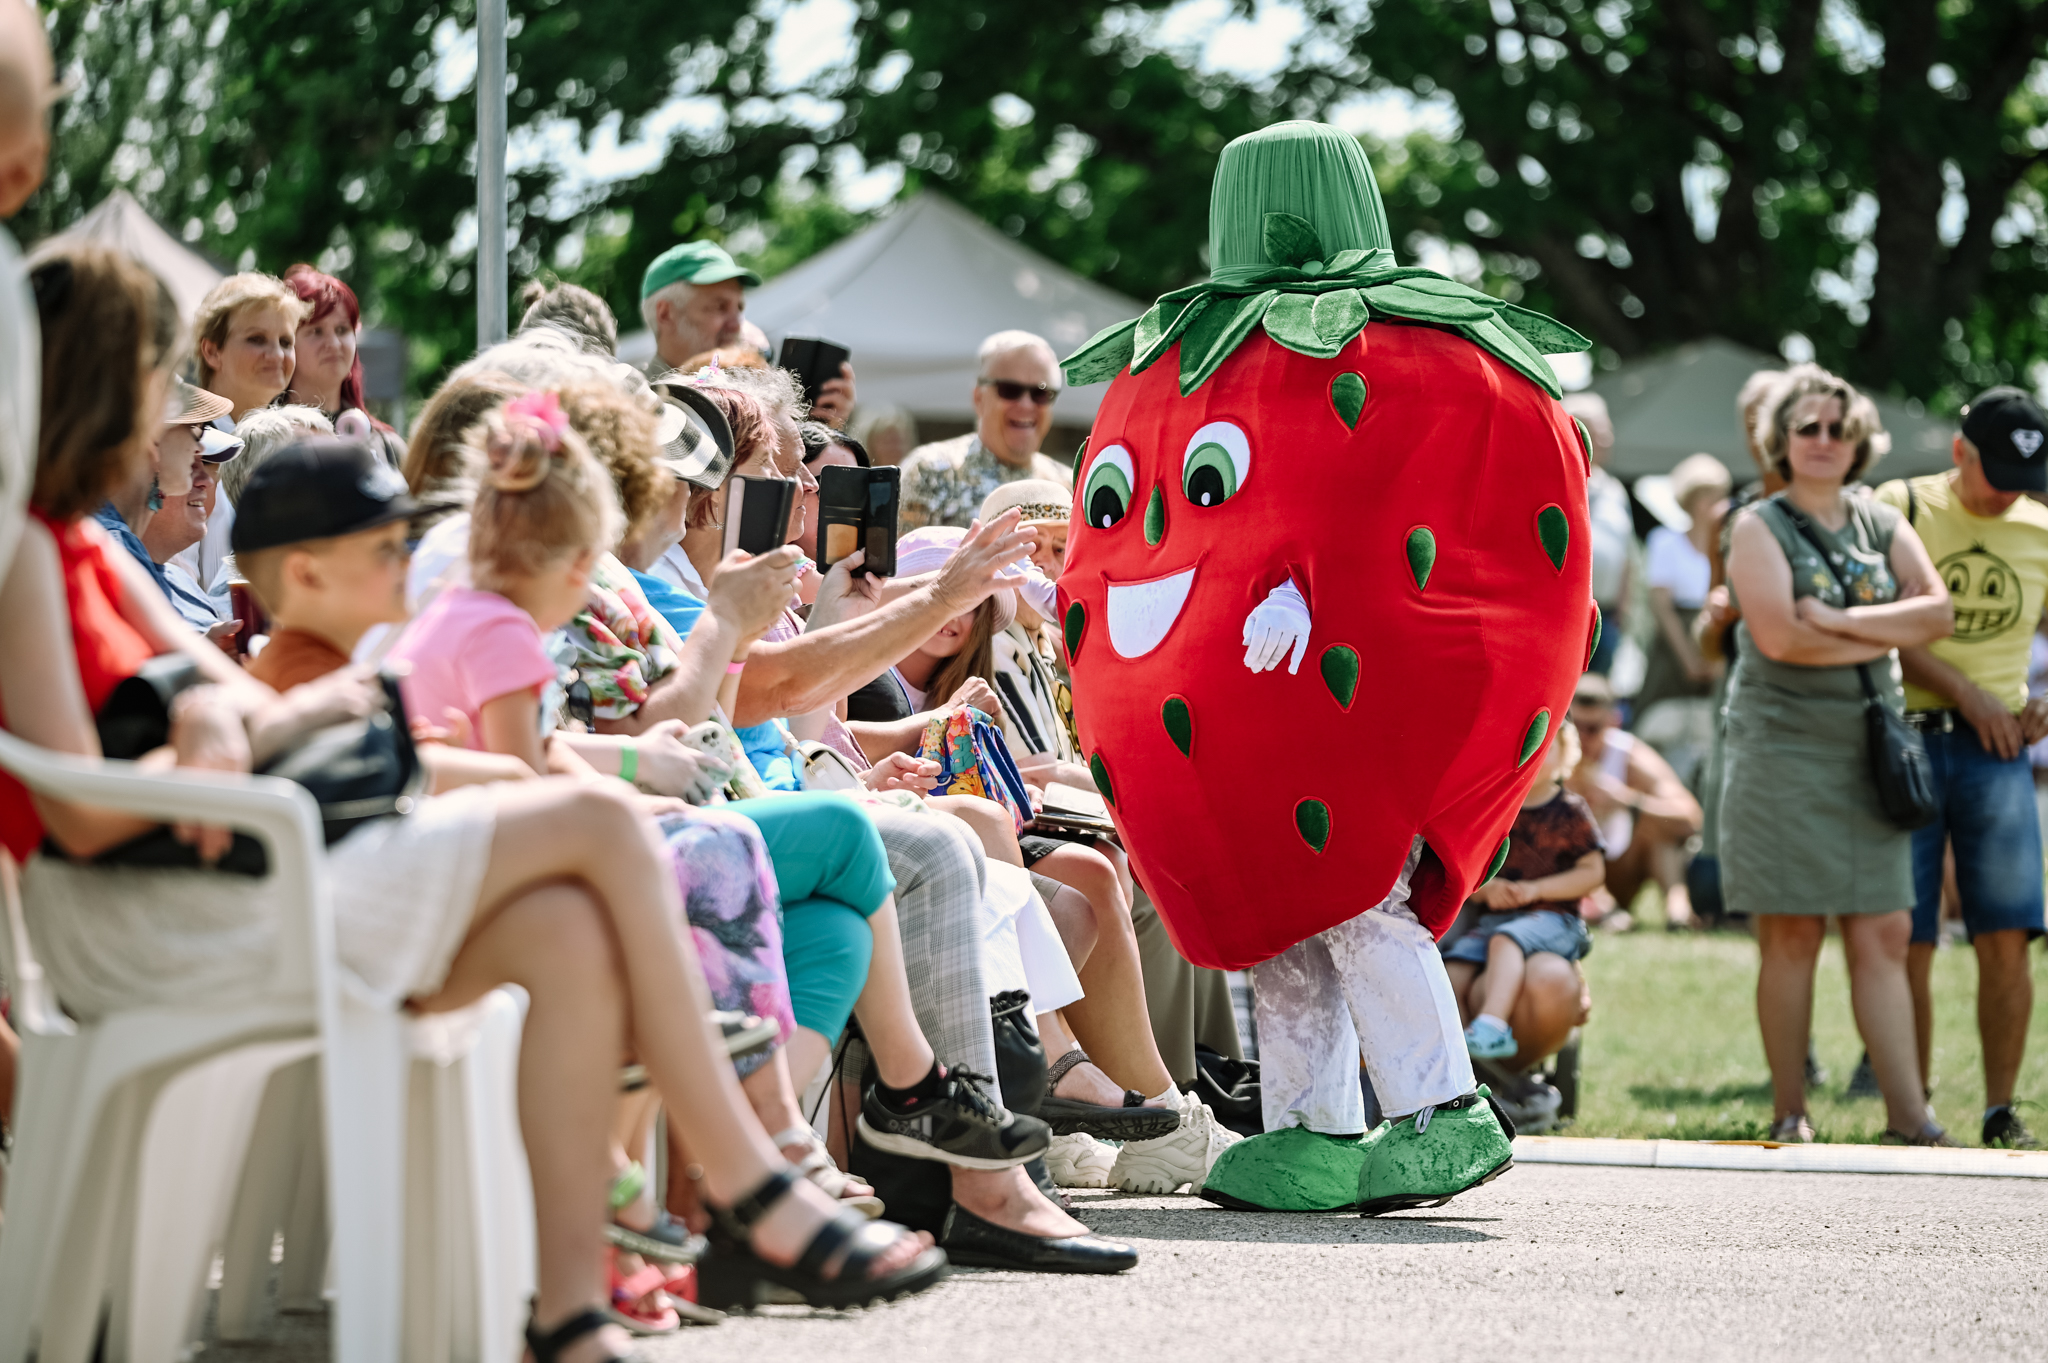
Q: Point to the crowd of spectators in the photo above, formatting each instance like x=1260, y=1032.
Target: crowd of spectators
x=687, y=798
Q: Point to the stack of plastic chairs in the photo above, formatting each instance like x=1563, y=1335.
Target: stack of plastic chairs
x=147, y=1137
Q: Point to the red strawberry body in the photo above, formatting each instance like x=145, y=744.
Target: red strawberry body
x=1441, y=538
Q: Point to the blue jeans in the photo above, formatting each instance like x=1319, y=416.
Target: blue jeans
x=1988, y=815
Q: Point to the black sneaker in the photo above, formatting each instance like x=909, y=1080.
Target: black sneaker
x=1863, y=1082
x=2003, y=1130
x=1816, y=1073
x=961, y=1126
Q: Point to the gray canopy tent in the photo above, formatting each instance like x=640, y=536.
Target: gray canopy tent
x=1683, y=402
x=123, y=224
x=914, y=295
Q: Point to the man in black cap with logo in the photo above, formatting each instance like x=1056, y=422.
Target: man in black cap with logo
x=1967, y=695
x=320, y=534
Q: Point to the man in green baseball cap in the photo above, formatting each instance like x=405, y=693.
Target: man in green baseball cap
x=693, y=297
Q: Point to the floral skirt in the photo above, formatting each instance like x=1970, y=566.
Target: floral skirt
x=730, y=897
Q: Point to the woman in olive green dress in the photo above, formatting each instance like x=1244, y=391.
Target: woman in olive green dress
x=1802, y=835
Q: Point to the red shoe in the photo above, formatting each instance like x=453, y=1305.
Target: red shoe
x=638, y=1302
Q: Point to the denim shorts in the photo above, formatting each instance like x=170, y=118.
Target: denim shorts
x=1987, y=813
x=1532, y=930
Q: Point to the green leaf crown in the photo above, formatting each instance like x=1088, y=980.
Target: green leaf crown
x=1316, y=306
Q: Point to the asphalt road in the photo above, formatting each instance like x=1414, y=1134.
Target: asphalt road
x=1550, y=1262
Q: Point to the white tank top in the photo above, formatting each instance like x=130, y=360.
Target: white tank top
x=1619, y=828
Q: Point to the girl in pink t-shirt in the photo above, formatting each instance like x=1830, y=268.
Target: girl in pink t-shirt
x=544, y=512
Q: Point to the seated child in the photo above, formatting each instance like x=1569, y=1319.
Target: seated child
x=1554, y=860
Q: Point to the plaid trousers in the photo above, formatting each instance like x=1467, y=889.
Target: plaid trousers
x=940, y=873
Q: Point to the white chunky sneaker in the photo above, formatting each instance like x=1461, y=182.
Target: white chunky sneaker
x=1167, y=1163
x=1080, y=1161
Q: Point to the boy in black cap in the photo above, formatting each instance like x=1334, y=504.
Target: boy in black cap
x=1967, y=694
x=320, y=534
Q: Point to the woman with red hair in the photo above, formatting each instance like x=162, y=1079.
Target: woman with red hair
x=329, y=374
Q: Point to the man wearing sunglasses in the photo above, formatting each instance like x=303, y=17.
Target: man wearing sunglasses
x=946, y=482
x=1967, y=694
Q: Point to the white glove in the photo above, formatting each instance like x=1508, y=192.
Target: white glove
x=1274, y=624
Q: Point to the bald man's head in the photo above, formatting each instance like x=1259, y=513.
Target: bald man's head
x=27, y=86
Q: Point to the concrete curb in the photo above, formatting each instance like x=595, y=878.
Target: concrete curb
x=1768, y=1156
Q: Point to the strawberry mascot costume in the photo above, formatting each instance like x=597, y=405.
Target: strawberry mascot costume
x=1327, y=593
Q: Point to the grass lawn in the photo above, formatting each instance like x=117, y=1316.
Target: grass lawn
x=1673, y=1050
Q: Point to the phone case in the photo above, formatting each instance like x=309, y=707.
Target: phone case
x=815, y=360
x=857, y=510
x=757, y=513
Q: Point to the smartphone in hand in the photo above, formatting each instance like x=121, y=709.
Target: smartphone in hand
x=857, y=510
x=814, y=360
x=757, y=512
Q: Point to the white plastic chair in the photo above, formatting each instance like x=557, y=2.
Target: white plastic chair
x=111, y=1115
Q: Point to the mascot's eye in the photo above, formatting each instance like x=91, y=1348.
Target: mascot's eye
x=1106, y=496
x=1218, y=460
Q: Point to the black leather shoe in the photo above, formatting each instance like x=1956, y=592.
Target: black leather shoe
x=1131, y=1122
x=972, y=1242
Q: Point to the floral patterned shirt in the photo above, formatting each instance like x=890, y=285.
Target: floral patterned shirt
x=946, y=483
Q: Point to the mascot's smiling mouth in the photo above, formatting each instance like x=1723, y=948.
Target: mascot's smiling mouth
x=1141, y=613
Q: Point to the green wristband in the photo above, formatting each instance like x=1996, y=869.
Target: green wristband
x=629, y=762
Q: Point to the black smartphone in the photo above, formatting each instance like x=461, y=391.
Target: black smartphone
x=815, y=360
x=757, y=513
x=857, y=510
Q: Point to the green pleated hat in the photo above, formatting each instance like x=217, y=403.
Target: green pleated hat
x=1315, y=172
x=1299, y=248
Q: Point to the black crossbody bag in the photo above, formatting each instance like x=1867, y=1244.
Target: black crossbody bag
x=1898, y=756
x=357, y=770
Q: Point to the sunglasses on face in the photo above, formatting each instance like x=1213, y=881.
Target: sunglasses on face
x=1812, y=430
x=1009, y=391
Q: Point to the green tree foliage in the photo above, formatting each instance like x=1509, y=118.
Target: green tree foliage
x=1865, y=172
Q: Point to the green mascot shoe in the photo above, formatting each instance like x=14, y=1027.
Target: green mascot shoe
x=1457, y=1147
x=1289, y=1170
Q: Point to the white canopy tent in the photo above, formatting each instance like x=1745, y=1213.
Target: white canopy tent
x=123, y=224
x=1682, y=402
x=914, y=295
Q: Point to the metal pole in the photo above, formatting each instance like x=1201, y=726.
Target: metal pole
x=492, y=299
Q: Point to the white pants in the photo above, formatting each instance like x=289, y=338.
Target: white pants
x=1374, y=984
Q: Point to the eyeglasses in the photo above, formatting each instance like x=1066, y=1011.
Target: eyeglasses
x=1812, y=430
x=1009, y=390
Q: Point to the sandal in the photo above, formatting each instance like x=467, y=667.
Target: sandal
x=631, y=1295
x=667, y=1239
x=732, y=1275
x=817, y=1166
x=1131, y=1122
x=548, y=1348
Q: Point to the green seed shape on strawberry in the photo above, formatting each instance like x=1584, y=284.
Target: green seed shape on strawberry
x=1556, y=534
x=1100, y=771
x=1340, y=673
x=1077, y=623
x=1312, y=821
x=1421, y=555
x=1347, y=395
x=1500, y=859
x=1180, y=724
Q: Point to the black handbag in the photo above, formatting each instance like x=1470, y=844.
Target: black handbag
x=1899, y=765
x=357, y=770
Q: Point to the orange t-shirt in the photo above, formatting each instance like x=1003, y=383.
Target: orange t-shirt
x=294, y=657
